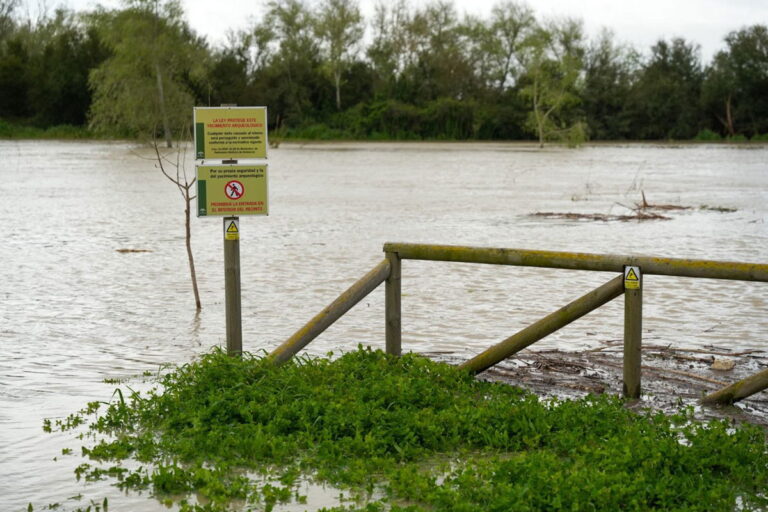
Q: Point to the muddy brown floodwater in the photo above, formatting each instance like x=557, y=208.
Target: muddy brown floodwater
x=94, y=284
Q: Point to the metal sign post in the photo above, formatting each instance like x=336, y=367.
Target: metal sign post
x=223, y=136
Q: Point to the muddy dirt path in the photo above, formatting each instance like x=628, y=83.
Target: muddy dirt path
x=673, y=378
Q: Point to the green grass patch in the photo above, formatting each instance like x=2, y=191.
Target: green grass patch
x=316, y=132
x=707, y=135
x=410, y=434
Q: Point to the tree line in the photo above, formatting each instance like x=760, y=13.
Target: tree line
x=406, y=73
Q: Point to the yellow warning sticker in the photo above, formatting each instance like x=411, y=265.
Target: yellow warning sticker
x=232, y=229
x=631, y=278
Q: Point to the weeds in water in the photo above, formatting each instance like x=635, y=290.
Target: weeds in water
x=408, y=434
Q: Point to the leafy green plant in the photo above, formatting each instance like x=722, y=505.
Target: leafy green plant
x=421, y=435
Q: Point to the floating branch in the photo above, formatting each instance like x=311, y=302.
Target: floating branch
x=602, y=217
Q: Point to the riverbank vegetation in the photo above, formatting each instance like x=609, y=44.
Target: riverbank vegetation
x=408, y=72
x=405, y=433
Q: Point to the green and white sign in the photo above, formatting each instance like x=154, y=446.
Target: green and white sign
x=232, y=190
x=230, y=133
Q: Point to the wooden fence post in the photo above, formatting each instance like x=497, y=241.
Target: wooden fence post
x=392, y=286
x=233, y=313
x=633, y=324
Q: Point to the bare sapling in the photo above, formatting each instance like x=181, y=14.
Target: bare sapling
x=184, y=184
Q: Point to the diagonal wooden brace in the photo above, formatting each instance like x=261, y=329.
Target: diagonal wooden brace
x=546, y=326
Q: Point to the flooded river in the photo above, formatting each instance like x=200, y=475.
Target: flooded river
x=75, y=311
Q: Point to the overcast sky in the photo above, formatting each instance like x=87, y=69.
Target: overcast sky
x=640, y=23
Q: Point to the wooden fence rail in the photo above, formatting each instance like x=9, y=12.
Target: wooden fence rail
x=630, y=283
x=335, y=310
x=546, y=326
x=582, y=261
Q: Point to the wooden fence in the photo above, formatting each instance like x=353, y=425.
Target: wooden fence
x=629, y=283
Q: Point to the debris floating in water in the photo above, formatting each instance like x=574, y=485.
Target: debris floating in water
x=130, y=251
x=601, y=216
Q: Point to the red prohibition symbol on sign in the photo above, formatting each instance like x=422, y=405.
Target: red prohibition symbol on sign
x=234, y=189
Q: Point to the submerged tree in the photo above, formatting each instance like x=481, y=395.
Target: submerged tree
x=173, y=167
x=145, y=87
x=147, y=81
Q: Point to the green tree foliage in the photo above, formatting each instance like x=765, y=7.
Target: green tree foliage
x=440, y=68
x=7, y=21
x=44, y=68
x=235, y=67
x=430, y=72
x=14, y=81
x=146, y=82
x=511, y=24
x=229, y=77
x=718, y=92
x=289, y=71
x=610, y=71
x=391, y=51
x=58, y=87
x=422, y=55
x=666, y=99
x=552, y=73
x=737, y=81
x=339, y=28
x=422, y=72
